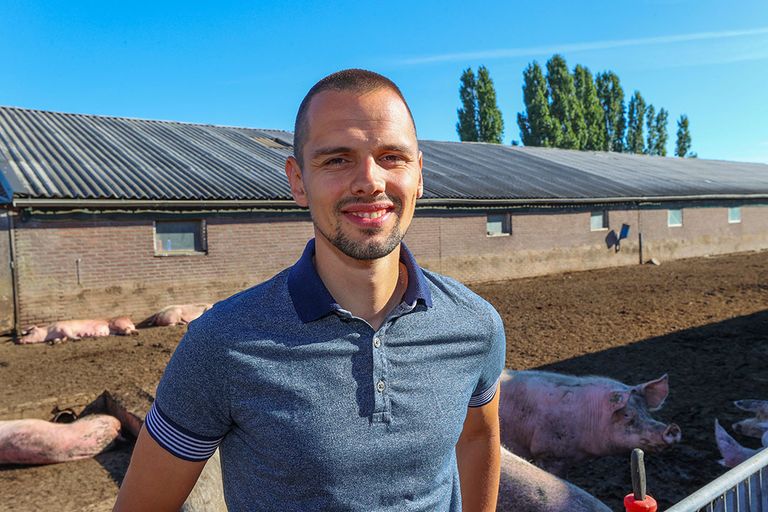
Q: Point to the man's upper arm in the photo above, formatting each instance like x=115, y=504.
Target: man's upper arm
x=483, y=421
x=156, y=480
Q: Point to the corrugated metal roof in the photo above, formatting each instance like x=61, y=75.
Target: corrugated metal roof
x=55, y=155
x=48, y=155
x=493, y=171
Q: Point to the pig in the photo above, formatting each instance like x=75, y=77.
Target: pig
x=76, y=329
x=753, y=427
x=732, y=452
x=526, y=488
x=208, y=493
x=65, y=329
x=122, y=325
x=178, y=314
x=33, y=441
x=559, y=420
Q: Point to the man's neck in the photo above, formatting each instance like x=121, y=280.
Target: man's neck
x=368, y=289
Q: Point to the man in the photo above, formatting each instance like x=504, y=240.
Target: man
x=353, y=380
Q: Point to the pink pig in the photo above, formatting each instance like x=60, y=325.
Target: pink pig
x=732, y=452
x=33, y=441
x=65, y=329
x=524, y=487
x=179, y=314
x=558, y=420
x=76, y=329
x=753, y=427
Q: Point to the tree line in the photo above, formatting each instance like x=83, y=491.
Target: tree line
x=570, y=110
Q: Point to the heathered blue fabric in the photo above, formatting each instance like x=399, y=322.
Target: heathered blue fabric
x=305, y=427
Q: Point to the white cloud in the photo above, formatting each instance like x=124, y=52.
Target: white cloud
x=583, y=47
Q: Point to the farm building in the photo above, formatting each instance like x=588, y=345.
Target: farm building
x=102, y=216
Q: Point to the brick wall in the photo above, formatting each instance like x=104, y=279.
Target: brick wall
x=119, y=272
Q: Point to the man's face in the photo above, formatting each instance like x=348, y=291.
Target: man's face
x=362, y=171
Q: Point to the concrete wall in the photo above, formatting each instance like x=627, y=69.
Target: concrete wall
x=6, y=281
x=120, y=274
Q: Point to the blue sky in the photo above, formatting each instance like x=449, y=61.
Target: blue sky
x=250, y=63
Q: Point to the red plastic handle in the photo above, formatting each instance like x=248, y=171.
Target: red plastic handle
x=633, y=505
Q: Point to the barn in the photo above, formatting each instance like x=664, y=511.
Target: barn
x=101, y=216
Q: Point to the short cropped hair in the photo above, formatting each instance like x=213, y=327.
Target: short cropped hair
x=358, y=81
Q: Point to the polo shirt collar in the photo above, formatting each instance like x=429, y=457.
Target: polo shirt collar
x=312, y=300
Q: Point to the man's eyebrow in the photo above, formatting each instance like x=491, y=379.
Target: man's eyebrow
x=334, y=150
x=398, y=148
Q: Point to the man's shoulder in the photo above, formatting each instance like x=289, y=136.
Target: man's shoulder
x=448, y=291
x=246, y=309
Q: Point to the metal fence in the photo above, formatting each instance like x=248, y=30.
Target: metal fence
x=742, y=489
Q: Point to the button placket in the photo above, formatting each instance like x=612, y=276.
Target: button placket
x=380, y=383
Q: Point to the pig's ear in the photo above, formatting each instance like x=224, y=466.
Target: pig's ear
x=618, y=399
x=654, y=392
x=759, y=407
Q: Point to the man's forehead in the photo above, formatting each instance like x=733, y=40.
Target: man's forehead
x=357, y=108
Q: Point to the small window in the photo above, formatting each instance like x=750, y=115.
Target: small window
x=598, y=221
x=734, y=215
x=498, y=224
x=180, y=237
x=675, y=217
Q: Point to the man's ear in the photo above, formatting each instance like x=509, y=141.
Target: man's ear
x=420, y=191
x=296, y=181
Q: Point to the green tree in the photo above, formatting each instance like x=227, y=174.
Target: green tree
x=635, y=117
x=661, y=133
x=611, y=97
x=565, y=108
x=467, y=124
x=652, y=136
x=591, y=108
x=683, y=145
x=536, y=127
x=490, y=123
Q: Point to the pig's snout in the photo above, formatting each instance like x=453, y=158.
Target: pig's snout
x=672, y=434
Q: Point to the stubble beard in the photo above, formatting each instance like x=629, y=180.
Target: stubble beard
x=367, y=249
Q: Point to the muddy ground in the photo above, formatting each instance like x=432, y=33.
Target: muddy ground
x=703, y=321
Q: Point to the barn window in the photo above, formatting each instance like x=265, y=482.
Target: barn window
x=598, y=221
x=498, y=224
x=180, y=237
x=734, y=215
x=675, y=217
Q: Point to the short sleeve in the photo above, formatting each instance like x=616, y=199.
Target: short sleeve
x=191, y=413
x=494, y=362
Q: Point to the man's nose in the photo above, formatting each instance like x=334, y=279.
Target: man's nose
x=369, y=178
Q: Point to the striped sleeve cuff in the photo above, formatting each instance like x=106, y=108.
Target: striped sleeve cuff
x=177, y=440
x=485, y=396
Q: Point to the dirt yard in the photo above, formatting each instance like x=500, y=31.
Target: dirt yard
x=702, y=321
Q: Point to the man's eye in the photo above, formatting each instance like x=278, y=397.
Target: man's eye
x=394, y=158
x=335, y=161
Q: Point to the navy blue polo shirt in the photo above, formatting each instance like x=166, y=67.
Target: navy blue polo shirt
x=313, y=409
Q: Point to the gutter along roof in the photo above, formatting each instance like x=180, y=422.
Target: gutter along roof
x=55, y=159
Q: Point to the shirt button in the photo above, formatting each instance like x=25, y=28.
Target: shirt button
x=380, y=386
x=376, y=342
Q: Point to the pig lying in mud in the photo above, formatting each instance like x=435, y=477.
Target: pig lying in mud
x=753, y=427
x=33, y=441
x=77, y=329
x=734, y=453
x=178, y=314
x=526, y=488
x=559, y=420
